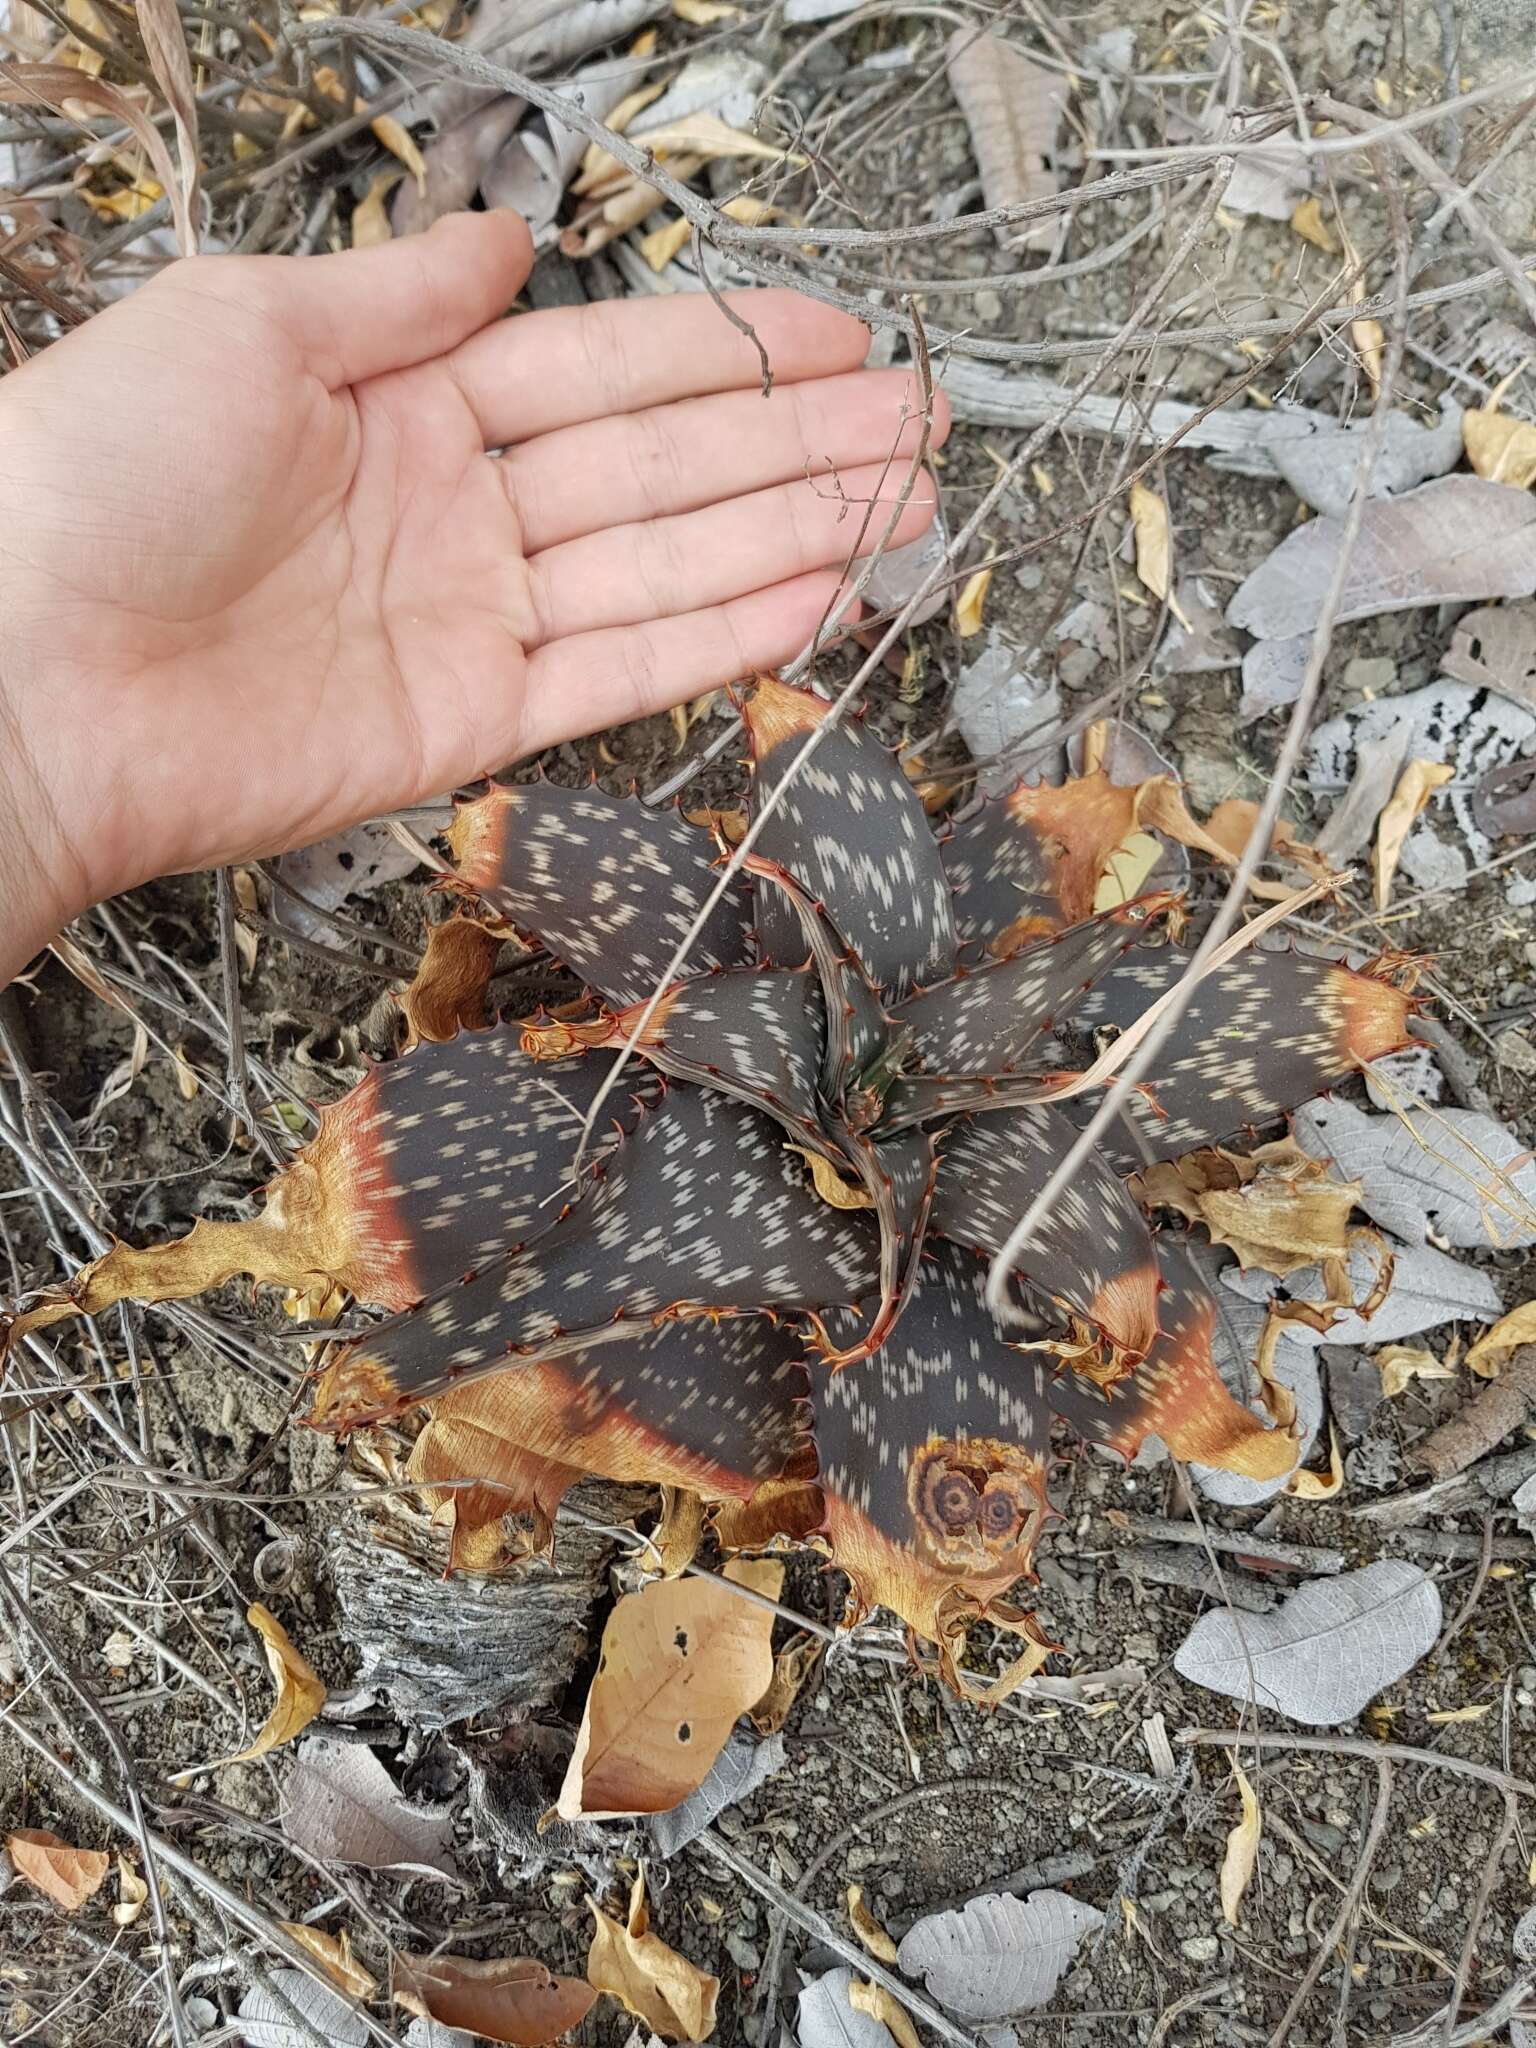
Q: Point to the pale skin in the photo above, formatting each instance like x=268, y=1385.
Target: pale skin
x=261, y=576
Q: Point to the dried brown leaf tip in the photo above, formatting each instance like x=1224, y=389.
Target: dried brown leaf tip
x=674, y=1998
x=765, y=1286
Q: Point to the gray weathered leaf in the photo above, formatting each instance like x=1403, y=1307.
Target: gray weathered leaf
x=1457, y=538
x=996, y=702
x=1012, y=108
x=901, y=571
x=1324, y=1654
x=1471, y=729
x=1270, y=176
x=1463, y=1176
x=1320, y=459
x=343, y=1806
x=327, y=873
x=1495, y=648
x=1204, y=646
x=1378, y=763
x=532, y=169
x=827, y=2020
x=1399, y=1079
x=264, y=2024
x=1523, y=1501
x=540, y=37
x=1273, y=671
x=743, y=1765
x=997, y=1955
x=723, y=82
x=433, y=2034
x=1428, y=1288
x=456, y=161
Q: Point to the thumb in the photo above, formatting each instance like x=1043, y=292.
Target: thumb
x=361, y=312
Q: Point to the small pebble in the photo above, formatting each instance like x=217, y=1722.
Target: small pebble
x=1201, y=1948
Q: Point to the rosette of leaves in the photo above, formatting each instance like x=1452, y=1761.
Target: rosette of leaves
x=767, y=1285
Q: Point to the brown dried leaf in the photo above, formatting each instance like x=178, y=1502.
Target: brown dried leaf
x=680, y=1661
x=1307, y=1485
x=875, y=2000
x=1487, y=1356
x=1242, y=1850
x=1418, y=782
x=1013, y=109
x=447, y=995
x=370, y=217
x=511, y=1998
x=165, y=44
x=970, y=603
x=791, y=1668
x=681, y=1530
x=333, y=1952
x=674, y=1998
x=64, y=89
x=300, y=1693
x=1499, y=448
x=1307, y=221
x=1400, y=1363
x=1154, y=542
x=132, y=1894
x=836, y=1192
x=1284, y=1218
x=68, y=1876
x=868, y=1928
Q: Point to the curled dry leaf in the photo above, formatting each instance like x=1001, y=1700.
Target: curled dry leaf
x=675, y=1999
x=1420, y=780
x=1154, y=542
x=300, y=1692
x=875, y=2000
x=165, y=44
x=1400, y=1363
x=333, y=1952
x=791, y=1668
x=681, y=1661
x=868, y=1929
x=513, y=1999
x=447, y=994
x=1309, y=1485
x=67, y=1875
x=1012, y=108
x=1488, y=1354
x=971, y=602
x=1242, y=1850
x=827, y=2018
x=132, y=1894
x=1500, y=448
x=370, y=217
x=63, y=88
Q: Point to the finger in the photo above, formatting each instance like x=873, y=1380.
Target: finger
x=593, y=680
x=633, y=573
x=678, y=458
x=362, y=312
x=555, y=369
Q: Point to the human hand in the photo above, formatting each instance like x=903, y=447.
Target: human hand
x=260, y=578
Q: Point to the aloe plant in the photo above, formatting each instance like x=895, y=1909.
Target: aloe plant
x=768, y=1289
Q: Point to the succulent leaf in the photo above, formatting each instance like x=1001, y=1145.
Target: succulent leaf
x=428, y=1168
x=1260, y=1035
x=1023, y=866
x=1175, y=1392
x=852, y=828
x=717, y=1408
x=983, y=1023
x=702, y=1210
x=900, y=1175
x=608, y=885
x=932, y=1454
x=1093, y=1253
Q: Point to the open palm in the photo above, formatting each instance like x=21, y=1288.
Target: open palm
x=263, y=573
